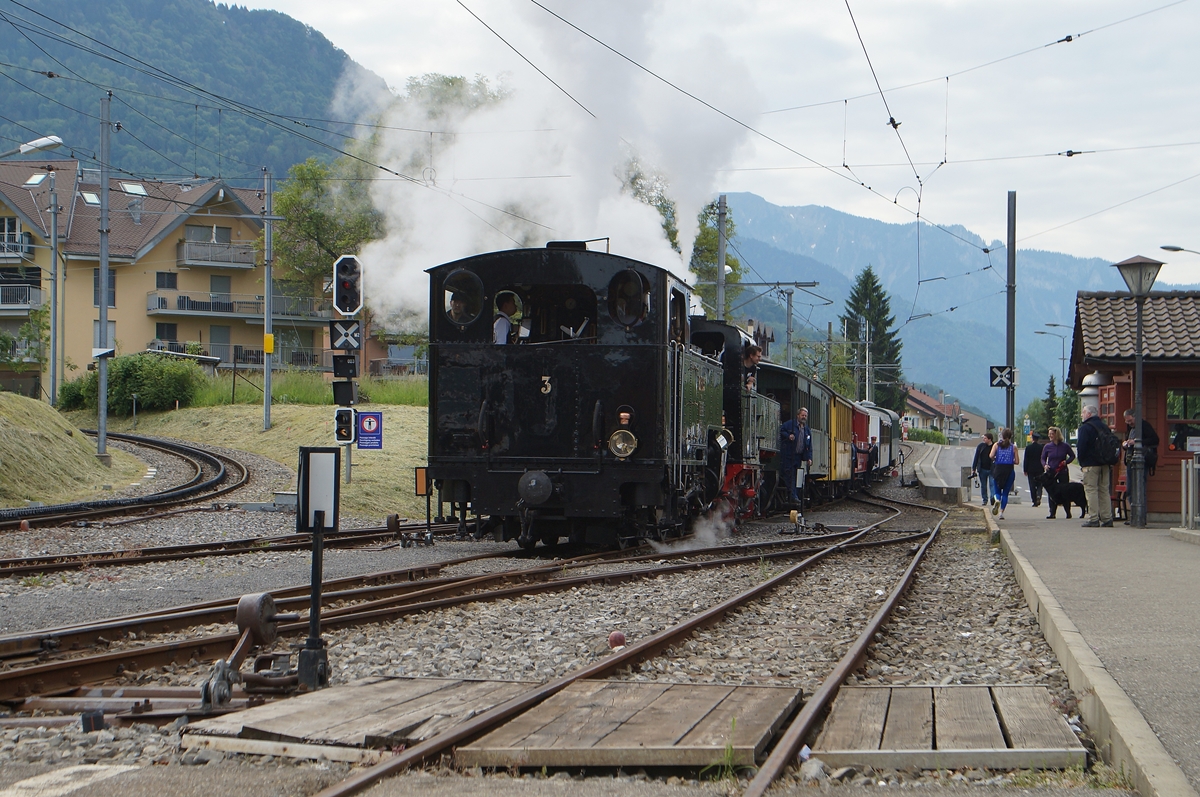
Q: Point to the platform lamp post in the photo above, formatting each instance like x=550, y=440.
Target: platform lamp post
x=1139, y=274
x=41, y=145
x=1063, y=359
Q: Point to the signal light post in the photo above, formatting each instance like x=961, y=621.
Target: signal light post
x=346, y=337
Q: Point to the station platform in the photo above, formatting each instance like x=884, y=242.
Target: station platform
x=1121, y=609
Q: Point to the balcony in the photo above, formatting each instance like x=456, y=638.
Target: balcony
x=245, y=306
x=232, y=354
x=213, y=255
x=18, y=300
x=21, y=351
x=15, y=249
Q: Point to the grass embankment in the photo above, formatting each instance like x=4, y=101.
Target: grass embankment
x=382, y=481
x=307, y=387
x=44, y=458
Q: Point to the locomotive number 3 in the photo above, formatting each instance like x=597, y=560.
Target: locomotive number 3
x=546, y=385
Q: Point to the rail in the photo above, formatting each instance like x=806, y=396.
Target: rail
x=235, y=305
x=20, y=297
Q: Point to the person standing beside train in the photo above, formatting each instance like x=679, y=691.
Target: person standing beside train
x=981, y=466
x=795, y=447
x=1005, y=459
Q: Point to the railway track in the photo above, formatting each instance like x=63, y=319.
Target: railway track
x=214, y=475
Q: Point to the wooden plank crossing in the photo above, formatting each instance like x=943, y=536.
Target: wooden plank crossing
x=931, y=727
x=372, y=712
x=625, y=723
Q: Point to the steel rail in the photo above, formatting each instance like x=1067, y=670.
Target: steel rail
x=62, y=513
x=54, y=676
x=630, y=656
x=789, y=744
x=383, y=590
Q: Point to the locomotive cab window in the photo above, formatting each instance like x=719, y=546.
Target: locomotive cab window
x=555, y=314
x=628, y=298
x=463, y=297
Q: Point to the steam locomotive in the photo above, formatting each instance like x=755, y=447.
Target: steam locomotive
x=572, y=396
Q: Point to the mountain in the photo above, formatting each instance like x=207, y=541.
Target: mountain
x=962, y=291
x=195, y=84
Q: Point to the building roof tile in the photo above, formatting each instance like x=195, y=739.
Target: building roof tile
x=1106, y=325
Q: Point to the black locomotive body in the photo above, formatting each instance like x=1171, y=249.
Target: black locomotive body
x=592, y=419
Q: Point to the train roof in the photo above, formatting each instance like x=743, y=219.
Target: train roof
x=556, y=256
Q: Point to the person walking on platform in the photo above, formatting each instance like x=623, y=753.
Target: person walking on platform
x=1097, y=482
x=1056, y=456
x=981, y=466
x=1005, y=459
x=1032, y=467
x=795, y=448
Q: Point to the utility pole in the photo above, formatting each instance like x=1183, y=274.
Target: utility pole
x=268, y=310
x=53, y=292
x=721, y=258
x=829, y=354
x=870, y=394
x=103, y=342
x=789, y=293
x=1010, y=410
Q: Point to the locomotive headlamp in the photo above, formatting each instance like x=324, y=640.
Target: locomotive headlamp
x=622, y=443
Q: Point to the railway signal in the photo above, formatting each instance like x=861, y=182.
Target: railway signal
x=345, y=425
x=347, y=285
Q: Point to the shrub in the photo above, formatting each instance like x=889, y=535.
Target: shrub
x=158, y=381
x=927, y=436
x=70, y=395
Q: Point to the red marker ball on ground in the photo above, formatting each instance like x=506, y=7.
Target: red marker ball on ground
x=616, y=639
x=24, y=525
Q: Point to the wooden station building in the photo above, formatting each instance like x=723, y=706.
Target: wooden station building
x=1102, y=367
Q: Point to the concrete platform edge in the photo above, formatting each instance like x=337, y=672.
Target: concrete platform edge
x=1124, y=739
x=1186, y=535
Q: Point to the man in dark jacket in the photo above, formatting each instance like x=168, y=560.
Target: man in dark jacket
x=1097, y=480
x=1149, y=442
x=795, y=449
x=981, y=466
x=1031, y=463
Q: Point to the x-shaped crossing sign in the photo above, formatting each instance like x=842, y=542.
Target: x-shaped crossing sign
x=1002, y=376
x=345, y=335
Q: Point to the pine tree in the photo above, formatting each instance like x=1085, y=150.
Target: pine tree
x=869, y=308
x=1051, y=403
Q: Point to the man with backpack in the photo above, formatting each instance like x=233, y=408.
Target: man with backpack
x=1099, y=449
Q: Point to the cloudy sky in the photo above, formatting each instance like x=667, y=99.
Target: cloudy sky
x=785, y=103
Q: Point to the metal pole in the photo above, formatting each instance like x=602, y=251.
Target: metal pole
x=348, y=464
x=102, y=366
x=829, y=354
x=53, y=292
x=721, y=258
x=1063, y=359
x=268, y=309
x=1010, y=409
x=868, y=392
x=1137, y=465
x=789, y=328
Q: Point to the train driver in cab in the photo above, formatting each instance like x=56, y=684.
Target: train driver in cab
x=458, y=309
x=506, y=305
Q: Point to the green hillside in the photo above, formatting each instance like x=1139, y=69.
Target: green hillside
x=195, y=84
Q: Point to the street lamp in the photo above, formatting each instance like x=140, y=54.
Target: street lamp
x=1062, y=339
x=41, y=145
x=37, y=145
x=1139, y=274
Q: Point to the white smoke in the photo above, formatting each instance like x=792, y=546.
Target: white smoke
x=535, y=167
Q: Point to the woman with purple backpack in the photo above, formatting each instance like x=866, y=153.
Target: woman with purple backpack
x=1005, y=459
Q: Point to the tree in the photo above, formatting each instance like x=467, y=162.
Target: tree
x=704, y=260
x=1051, y=405
x=651, y=188
x=327, y=212
x=868, y=310
x=1036, y=411
x=31, y=344
x=1066, y=415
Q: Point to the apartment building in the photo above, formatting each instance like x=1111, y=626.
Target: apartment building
x=184, y=273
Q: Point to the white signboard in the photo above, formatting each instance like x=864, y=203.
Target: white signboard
x=1193, y=445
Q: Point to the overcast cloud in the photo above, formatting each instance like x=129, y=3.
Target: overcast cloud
x=1130, y=86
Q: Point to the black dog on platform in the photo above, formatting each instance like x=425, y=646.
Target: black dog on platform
x=1065, y=494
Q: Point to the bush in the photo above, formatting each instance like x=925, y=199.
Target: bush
x=158, y=381
x=70, y=395
x=927, y=436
